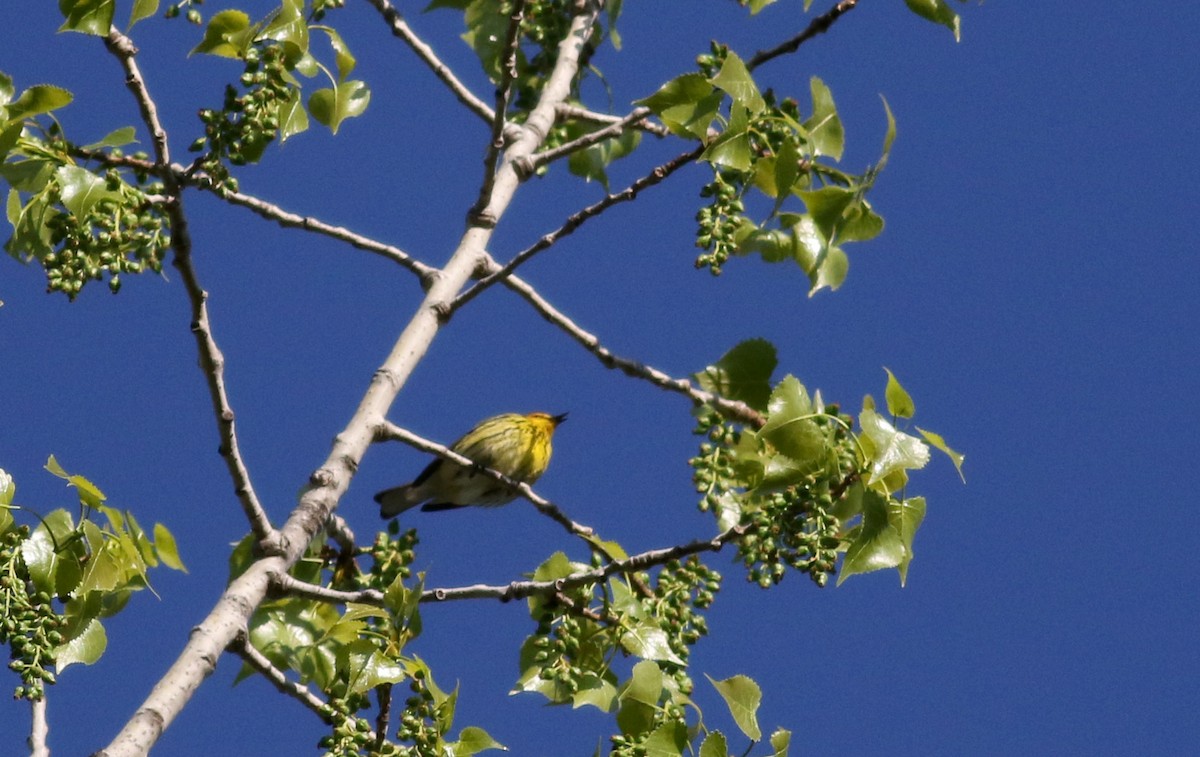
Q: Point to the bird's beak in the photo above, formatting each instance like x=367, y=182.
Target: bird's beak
x=558, y=418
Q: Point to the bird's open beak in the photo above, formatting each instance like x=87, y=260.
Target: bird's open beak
x=558, y=418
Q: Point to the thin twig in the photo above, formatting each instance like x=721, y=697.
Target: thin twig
x=575, y=221
x=211, y=360
x=628, y=566
x=264, y=209
x=522, y=589
x=285, y=218
x=819, y=25
x=567, y=112
x=294, y=689
x=614, y=129
x=390, y=431
x=401, y=29
x=508, y=74
x=295, y=587
x=384, y=692
x=729, y=408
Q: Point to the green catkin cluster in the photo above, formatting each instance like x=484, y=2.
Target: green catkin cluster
x=246, y=123
x=28, y=623
x=351, y=736
x=684, y=590
x=127, y=235
x=392, y=556
x=418, y=722
x=792, y=528
x=713, y=469
x=556, y=644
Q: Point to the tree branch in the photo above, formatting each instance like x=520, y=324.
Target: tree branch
x=327, y=484
x=614, y=129
x=574, y=222
x=39, y=727
x=287, y=219
x=731, y=409
x=583, y=114
x=819, y=25
x=401, y=29
x=508, y=73
x=628, y=566
x=242, y=647
x=212, y=361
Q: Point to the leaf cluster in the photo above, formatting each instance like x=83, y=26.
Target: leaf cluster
x=60, y=579
x=805, y=486
x=79, y=224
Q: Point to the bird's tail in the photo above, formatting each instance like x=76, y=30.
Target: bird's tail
x=396, y=500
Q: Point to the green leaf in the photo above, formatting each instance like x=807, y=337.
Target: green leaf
x=645, y=684
x=685, y=105
x=40, y=550
x=893, y=450
x=228, y=35
x=9, y=136
x=743, y=374
x=142, y=9
x=668, y=740
x=938, y=442
x=731, y=148
x=41, y=98
x=649, y=642
x=8, y=489
x=591, y=162
x=331, y=106
x=116, y=138
x=87, y=16
x=487, y=28
x=6, y=88
x=289, y=27
x=166, y=548
x=780, y=741
x=787, y=170
x=85, y=648
x=596, y=692
x=889, y=136
x=832, y=271
x=790, y=427
x=859, y=222
x=906, y=516
x=772, y=245
x=714, y=745
x=82, y=190
x=809, y=246
x=743, y=696
x=824, y=126
x=758, y=5
x=899, y=403
x=473, y=740
x=826, y=206
x=293, y=118
x=876, y=544
x=366, y=667
x=345, y=59
x=735, y=80
x=939, y=12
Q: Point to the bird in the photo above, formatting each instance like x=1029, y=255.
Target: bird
x=513, y=444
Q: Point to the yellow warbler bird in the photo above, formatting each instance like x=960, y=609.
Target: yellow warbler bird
x=516, y=445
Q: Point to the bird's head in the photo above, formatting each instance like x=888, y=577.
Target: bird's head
x=547, y=421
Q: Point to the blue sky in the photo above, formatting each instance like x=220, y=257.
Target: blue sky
x=1035, y=290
